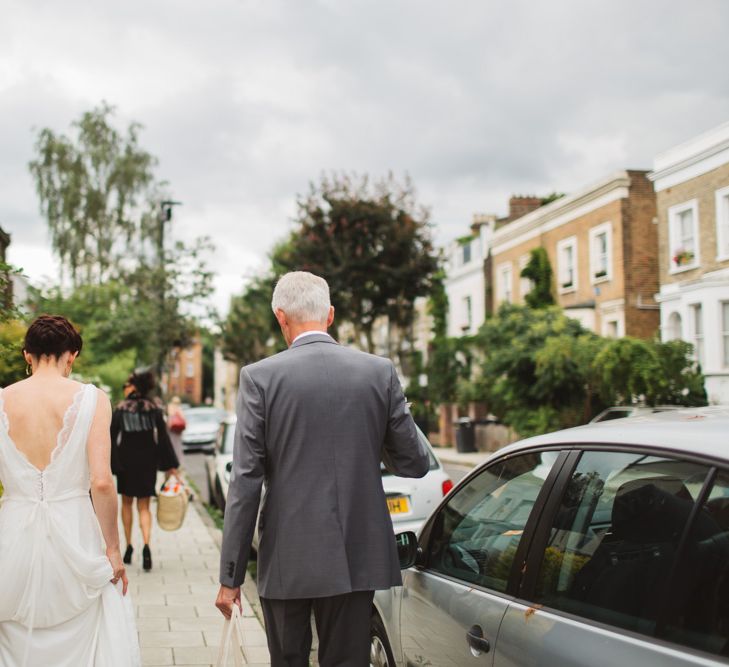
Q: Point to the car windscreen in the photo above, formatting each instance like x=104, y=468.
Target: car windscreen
x=202, y=417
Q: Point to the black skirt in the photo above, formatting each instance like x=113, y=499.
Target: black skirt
x=137, y=475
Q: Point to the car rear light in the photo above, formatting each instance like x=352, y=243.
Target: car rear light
x=447, y=486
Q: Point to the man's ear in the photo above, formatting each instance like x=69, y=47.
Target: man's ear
x=330, y=317
x=281, y=317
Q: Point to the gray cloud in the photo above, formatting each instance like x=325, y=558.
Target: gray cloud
x=246, y=102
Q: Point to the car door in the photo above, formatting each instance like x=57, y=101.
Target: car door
x=607, y=573
x=454, y=599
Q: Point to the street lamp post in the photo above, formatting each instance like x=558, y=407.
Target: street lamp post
x=164, y=216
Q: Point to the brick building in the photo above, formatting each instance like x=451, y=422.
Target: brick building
x=692, y=193
x=602, y=245
x=185, y=377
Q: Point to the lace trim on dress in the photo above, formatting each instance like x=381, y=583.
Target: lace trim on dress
x=3, y=416
x=69, y=421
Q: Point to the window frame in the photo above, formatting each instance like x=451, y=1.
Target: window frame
x=607, y=229
x=721, y=197
x=525, y=284
x=526, y=589
x=563, y=287
x=505, y=285
x=724, y=334
x=531, y=525
x=697, y=338
x=673, y=242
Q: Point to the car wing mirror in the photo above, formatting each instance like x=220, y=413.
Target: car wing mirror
x=407, y=549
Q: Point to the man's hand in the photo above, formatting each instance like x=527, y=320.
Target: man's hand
x=227, y=597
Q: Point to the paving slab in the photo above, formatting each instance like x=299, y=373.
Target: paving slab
x=177, y=620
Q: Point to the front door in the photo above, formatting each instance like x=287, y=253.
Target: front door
x=452, y=606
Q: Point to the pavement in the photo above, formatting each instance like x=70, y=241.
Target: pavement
x=176, y=616
x=451, y=456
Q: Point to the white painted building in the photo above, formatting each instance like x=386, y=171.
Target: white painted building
x=692, y=191
x=466, y=281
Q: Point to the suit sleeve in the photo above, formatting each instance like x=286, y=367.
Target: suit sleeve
x=246, y=480
x=403, y=453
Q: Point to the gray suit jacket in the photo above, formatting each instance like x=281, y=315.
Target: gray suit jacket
x=314, y=422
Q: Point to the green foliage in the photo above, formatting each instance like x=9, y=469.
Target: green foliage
x=553, y=196
x=371, y=242
x=540, y=371
x=539, y=271
x=658, y=373
x=130, y=289
x=92, y=190
x=250, y=332
x=12, y=363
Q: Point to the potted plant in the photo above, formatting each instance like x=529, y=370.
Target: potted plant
x=683, y=257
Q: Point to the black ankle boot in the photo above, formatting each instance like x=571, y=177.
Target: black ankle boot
x=146, y=558
x=128, y=554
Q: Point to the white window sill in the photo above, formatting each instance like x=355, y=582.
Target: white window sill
x=602, y=279
x=568, y=290
x=683, y=268
x=722, y=258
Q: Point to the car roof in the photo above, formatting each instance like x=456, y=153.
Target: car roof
x=702, y=431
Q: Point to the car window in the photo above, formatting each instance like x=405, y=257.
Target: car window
x=699, y=603
x=476, y=534
x=228, y=438
x=614, y=538
x=615, y=414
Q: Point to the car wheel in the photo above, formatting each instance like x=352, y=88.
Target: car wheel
x=380, y=652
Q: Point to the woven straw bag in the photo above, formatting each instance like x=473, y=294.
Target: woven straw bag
x=172, y=504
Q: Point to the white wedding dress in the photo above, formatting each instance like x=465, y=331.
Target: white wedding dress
x=58, y=607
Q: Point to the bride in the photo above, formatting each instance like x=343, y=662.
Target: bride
x=62, y=581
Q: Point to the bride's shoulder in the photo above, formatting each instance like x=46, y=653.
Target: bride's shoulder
x=11, y=389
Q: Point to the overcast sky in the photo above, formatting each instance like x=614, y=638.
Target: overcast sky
x=245, y=102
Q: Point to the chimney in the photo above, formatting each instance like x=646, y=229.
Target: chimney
x=521, y=205
x=480, y=219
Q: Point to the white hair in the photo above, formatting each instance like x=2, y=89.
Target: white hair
x=303, y=296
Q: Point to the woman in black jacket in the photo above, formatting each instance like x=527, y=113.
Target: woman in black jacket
x=140, y=447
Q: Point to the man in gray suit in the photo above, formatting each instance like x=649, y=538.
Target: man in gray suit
x=314, y=422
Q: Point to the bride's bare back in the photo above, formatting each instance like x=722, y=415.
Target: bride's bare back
x=35, y=409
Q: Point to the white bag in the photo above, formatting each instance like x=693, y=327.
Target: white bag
x=233, y=641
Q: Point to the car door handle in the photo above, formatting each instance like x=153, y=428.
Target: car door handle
x=476, y=640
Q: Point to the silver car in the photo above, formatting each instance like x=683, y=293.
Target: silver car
x=602, y=545
x=201, y=428
x=410, y=501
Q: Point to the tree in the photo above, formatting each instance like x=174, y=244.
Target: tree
x=92, y=189
x=250, y=331
x=541, y=371
x=105, y=213
x=370, y=241
x=655, y=373
x=539, y=271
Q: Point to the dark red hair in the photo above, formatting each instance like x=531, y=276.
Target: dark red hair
x=51, y=336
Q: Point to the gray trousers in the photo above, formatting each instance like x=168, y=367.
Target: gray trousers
x=342, y=625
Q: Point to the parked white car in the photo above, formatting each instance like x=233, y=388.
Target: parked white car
x=410, y=500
